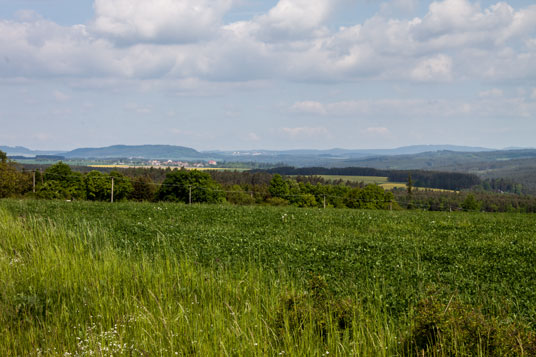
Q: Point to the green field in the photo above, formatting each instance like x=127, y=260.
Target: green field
x=163, y=279
x=365, y=179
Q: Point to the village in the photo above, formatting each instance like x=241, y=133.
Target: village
x=171, y=163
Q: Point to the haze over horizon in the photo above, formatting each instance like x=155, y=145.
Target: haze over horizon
x=272, y=75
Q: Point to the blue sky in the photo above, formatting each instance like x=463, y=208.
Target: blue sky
x=238, y=74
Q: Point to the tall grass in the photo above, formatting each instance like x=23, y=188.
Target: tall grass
x=161, y=279
x=73, y=292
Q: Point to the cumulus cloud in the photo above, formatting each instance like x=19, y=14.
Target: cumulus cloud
x=186, y=41
x=176, y=21
x=292, y=19
x=437, y=68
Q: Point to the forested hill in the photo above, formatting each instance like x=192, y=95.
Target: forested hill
x=139, y=151
x=443, y=180
x=439, y=160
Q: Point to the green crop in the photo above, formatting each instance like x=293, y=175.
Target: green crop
x=135, y=278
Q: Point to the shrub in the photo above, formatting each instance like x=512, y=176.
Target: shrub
x=454, y=328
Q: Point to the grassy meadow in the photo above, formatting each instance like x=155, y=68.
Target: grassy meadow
x=83, y=278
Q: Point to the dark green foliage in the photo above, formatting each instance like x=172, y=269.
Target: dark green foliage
x=279, y=187
x=60, y=182
x=434, y=179
x=122, y=185
x=180, y=184
x=470, y=203
x=98, y=186
x=12, y=181
x=370, y=197
x=316, y=306
x=441, y=328
x=236, y=195
x=143, y=189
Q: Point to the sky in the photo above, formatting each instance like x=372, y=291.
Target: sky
x=260, y=74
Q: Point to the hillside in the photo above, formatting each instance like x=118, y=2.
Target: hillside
x=138, y=151
x=516, y=165
x=439, y=159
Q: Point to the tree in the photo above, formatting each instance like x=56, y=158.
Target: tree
x=98, y=186
x=409, y=185
x=122, y=185
x=12, y=181
x=238, y=196
x=62, y=182
x=278, y=187
x=143, y=189
x=470, y=203
x=179, y=184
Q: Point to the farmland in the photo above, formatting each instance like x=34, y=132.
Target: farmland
x=162, y=278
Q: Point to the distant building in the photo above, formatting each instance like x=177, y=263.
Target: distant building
x=212, y=162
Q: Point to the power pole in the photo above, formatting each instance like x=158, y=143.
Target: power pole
x=33, y=174
x=112, y=195
x=189, y=194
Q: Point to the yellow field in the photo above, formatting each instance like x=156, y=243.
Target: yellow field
x=106, y=166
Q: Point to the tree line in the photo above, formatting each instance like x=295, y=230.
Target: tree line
x=435, y=179
x=60, y=181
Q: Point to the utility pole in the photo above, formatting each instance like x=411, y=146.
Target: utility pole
x=112, y=195
x=33, y=174
x=324, y=201
x=189, y=194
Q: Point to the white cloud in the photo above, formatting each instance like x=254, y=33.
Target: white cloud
x=294, y=19
x=484, y=106
x=166, y=40
x=306, y=132
x=437, y=68
x=159, y=20
x=308, y=107
x=379, y=131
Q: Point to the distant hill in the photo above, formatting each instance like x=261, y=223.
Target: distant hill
x=138, y=151
x=439, y=159
x=336, y=156
x=22, y=151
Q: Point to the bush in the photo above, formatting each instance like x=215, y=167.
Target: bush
x=454, y=328
x=180, y=184
x=317, y=308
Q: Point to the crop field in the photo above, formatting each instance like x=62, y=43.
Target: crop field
x=83, y=278
x=381, y=181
